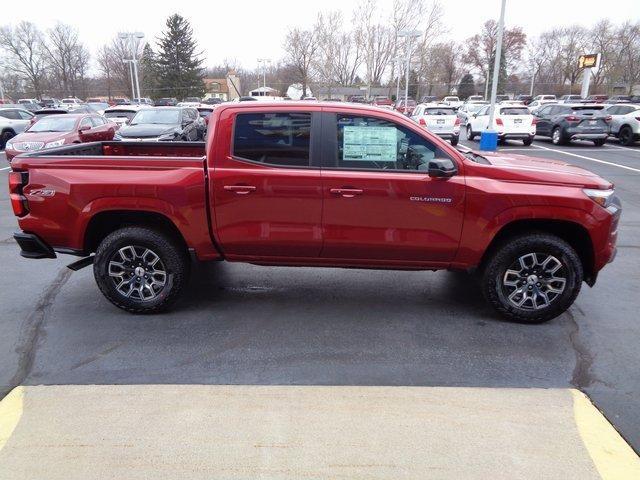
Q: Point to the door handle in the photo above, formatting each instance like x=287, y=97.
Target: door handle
x=240, y=189
x=347, y=192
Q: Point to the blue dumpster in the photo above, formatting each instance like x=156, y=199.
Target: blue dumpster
x=489, y=140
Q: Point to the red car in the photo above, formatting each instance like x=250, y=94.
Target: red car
x=316, y=184
x=410, y=107
x=57, y=130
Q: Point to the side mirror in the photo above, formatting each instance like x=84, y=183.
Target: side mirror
x=475, y=115
x=442, y=168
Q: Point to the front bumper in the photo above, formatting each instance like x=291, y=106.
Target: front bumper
x=32, y=246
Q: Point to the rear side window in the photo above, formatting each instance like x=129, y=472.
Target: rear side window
x=12, y=114
x=514, y=111
x=273, y=138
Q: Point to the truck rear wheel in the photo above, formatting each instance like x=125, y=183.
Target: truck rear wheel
x=141, y=270
x=532, y=278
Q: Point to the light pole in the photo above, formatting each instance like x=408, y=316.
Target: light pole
x=1, y=92
x=264, y=62
x=134, y=39
x=496, y=67
x=408, y=36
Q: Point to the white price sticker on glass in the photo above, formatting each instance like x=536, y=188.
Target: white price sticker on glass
x=378, y=144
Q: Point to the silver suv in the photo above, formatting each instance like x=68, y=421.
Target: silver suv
x=625, y=123
x=13, y=120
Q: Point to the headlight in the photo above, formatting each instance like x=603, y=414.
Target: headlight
x=57, y=143
x=605, y=198
x=9, y=144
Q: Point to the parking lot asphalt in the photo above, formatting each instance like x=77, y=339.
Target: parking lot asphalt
x=249, y=325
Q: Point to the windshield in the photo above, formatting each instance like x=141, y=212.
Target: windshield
x=54, y=124
x=475, y=107
x=439, y=111
x=514, y=111
x=157, y=117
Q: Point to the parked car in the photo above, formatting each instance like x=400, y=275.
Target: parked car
x=246, y=98
x=619, y=99
x=537, y=104
x=468, y=109
x=545, y=97
x=166, y=102
x=383, y=102
x=408, y=110
x=70, y=103
x=212, y=101
x=502, y=98
x=512, y=122
x=475, y=99
x=452, y=101
x=596, y=99
x=122, y=114
x=356, y=99
x=143, y=101
x=310, y=99
x=47, y=102
x=13, y=120
x=624, y=123
x=57, y=130
x=569, y=99
x=43, y=112
x=428, y=99
x=566, y=122
x=526, y=99
x=164, y=124
x=387, y=194
x=439, y=119
x=120, y=101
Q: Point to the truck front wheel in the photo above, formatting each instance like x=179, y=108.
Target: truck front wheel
x=141, y=270
x=532, y=278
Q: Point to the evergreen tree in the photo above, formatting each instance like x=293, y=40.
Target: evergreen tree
x=148, y=72
x=178, y=63
x=466, y=87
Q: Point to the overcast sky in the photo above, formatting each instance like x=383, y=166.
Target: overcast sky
x=247, y=30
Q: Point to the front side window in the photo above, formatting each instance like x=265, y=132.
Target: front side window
x=281, y=139
x=369, y=143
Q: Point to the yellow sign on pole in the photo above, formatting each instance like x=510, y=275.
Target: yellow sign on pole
x=588, y=60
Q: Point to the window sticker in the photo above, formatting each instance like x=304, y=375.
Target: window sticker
x=378, y=144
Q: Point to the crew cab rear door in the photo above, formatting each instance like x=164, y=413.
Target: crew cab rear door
x=380, y=204
x=265, y=184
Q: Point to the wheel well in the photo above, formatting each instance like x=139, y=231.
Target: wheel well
x=7, y=130
x=572, y=233
x=104, y=223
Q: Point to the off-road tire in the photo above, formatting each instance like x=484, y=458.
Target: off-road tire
x=454, y=141
x=174, y=258
x=626, y=136
x=507, y=252
x=527, y=141
x=5, y=137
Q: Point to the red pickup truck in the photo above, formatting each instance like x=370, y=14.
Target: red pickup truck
x=316, y=185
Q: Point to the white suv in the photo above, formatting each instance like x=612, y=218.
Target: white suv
x=512, y=122
x=625, y=123
x=439, y=119
x=452, y=101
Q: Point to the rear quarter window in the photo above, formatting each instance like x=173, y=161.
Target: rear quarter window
x=281, y=139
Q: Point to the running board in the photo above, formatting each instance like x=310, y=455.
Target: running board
x=83, y=262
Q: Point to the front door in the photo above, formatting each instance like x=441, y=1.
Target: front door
x=380, y=204
x=266, y=190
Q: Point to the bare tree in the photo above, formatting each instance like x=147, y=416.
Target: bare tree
x=479, y=48
x=339, y=55
x=301, y=47
x=24, y=47
x=68, y=58
x=376, y=41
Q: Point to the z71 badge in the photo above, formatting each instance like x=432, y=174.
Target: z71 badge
x=42, y=192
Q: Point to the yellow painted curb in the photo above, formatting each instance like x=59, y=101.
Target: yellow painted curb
x=612, y=456
x=10, y=413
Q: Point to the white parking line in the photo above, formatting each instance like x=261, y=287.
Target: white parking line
x=623, y=148
x=5, y=168
x=587, y=158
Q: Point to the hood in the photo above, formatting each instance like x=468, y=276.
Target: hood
x=542, y=170
x=147, y=130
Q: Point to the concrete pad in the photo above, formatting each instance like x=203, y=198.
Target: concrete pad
x=276, y=432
